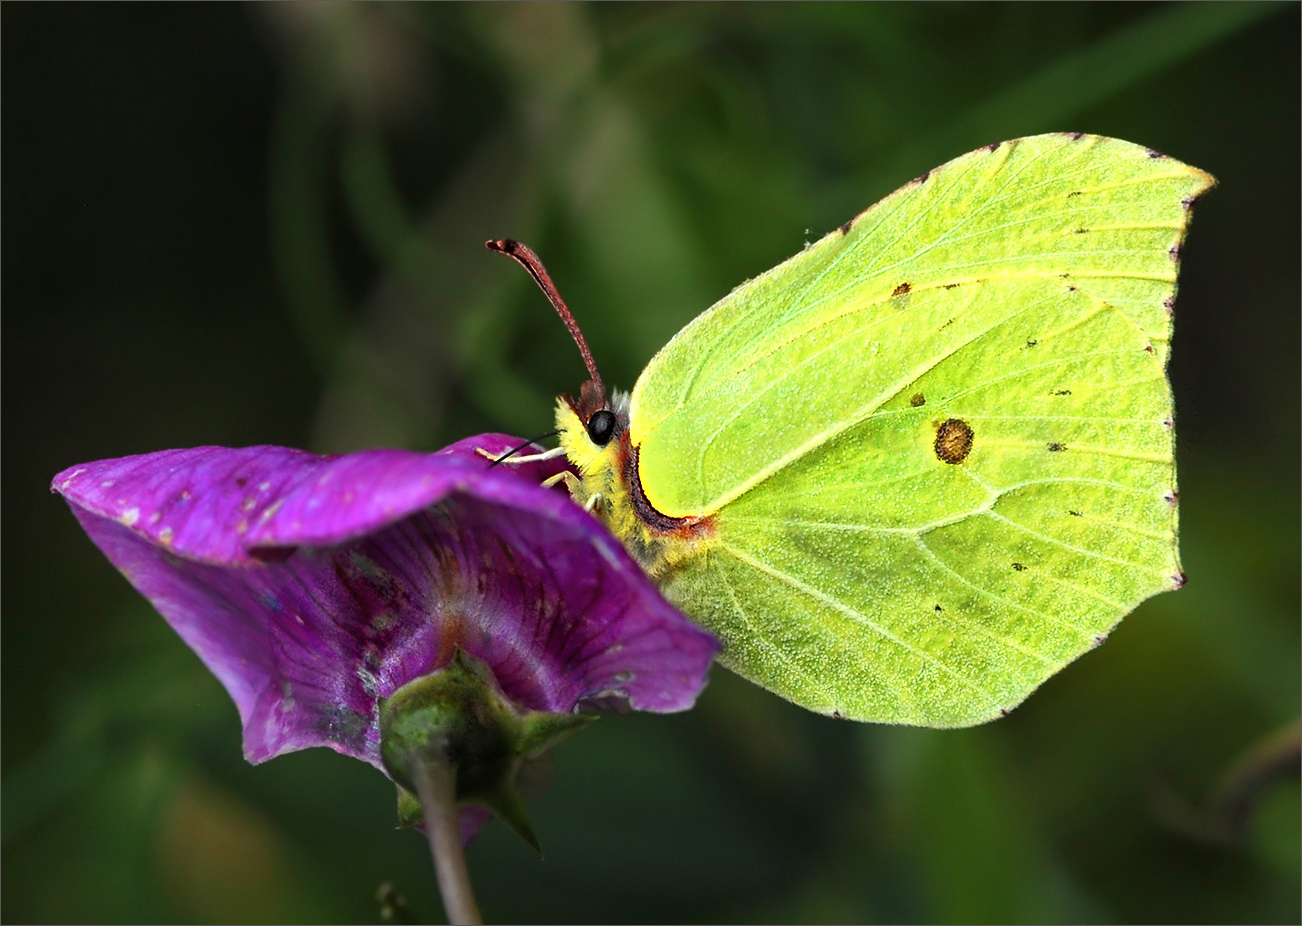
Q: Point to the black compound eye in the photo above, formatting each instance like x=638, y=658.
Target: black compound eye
x=601, y=427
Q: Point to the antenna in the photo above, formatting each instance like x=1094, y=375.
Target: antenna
x=524, y=256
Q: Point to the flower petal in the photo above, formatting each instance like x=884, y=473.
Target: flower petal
x=315, y=586
x=213, y=504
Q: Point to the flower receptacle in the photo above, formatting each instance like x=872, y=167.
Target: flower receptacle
x=457, y=719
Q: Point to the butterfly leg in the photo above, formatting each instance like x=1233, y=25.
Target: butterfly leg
x=573, y=483
x=527, y=458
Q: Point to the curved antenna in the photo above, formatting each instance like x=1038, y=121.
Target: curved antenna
x=523, y=255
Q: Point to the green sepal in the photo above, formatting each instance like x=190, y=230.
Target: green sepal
x=458, y=717
x=509, y=808
x=541, y=730
x=410, y=812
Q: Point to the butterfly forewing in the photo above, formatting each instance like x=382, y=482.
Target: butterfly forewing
x=1104, y=214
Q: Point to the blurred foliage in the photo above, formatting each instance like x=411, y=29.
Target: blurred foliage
x=264, y=224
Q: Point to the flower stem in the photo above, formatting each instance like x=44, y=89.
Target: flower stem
x=435, y=784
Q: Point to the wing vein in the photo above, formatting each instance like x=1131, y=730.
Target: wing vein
x=859, y=618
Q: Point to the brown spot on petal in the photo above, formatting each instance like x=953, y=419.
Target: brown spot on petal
x=953, y=440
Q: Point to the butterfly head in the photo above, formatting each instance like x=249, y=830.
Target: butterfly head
x=593, y=429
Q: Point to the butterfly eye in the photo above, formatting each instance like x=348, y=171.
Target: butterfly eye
x=601, y=427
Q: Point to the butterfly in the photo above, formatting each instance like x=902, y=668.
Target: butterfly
x=916, y=469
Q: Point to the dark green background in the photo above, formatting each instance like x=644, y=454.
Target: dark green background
x=264, y=224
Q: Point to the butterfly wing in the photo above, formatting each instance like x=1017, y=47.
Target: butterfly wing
x=937, y=444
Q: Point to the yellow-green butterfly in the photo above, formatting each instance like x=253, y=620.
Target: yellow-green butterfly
x=916, y=469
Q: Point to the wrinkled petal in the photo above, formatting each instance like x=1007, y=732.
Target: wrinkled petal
x=214, y=504
x=314, y=586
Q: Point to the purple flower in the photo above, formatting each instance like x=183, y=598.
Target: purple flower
x=314, y=587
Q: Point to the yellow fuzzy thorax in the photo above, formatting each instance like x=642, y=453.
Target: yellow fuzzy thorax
x=602, y=488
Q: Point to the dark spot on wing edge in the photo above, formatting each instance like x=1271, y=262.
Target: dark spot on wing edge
x=902, y=289
x=1056, y=447
x=917, y=399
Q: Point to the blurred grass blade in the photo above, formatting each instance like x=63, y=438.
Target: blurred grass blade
x=377, y=209
x=300, y=156
x=1050, y=99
